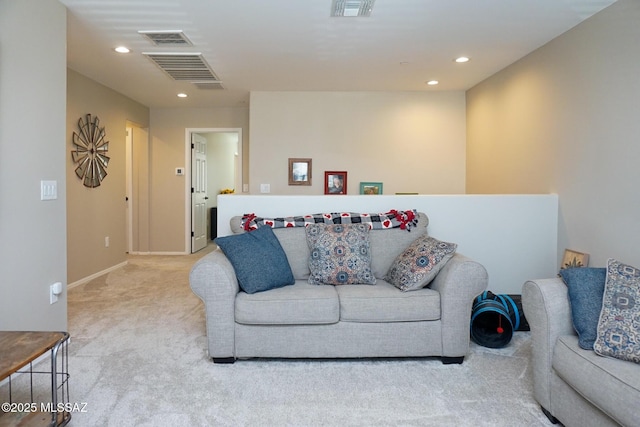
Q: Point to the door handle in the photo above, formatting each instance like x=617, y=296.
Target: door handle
x=206, y=198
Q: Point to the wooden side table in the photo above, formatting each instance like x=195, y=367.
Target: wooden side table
x=18, y=351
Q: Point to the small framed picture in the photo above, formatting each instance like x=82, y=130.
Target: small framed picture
x=370, y=188
x=572, y=259
x=299, y=171
x=335, y=182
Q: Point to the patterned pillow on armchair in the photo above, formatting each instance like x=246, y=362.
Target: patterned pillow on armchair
x=619, y=323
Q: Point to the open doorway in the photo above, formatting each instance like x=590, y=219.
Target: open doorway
x=215, y=164
x=137, y=183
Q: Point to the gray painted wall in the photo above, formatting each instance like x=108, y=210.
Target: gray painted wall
x=33, y=74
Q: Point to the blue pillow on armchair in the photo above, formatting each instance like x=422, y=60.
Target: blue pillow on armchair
x=258, y=260
x=586, y=287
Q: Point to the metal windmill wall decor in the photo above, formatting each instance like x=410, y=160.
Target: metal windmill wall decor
x=90, y=149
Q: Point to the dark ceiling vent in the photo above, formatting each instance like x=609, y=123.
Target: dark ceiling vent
x=166, y=38
x=189, y=67
x=352, y=8
x=208, y=85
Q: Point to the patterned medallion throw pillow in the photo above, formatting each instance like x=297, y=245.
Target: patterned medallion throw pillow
x=340, y=254
x=416, y=267
x=619, y=323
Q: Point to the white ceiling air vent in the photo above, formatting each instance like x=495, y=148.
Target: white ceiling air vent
x=166, y=38
x=189, y=67
x=352, y=8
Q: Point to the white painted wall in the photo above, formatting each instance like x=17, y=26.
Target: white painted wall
x=513, y=236
x=222, y=161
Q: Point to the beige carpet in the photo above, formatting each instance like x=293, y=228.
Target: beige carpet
x=138, y=358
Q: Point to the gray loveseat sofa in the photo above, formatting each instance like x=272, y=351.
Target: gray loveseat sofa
x=575, y=386
x=348, y=321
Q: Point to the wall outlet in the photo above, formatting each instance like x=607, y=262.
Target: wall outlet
x=54, y=291
x=53, y=298
x=265, y=188
x=245, y=188
x=106, y=242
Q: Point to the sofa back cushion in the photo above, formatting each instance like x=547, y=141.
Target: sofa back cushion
x=340, y=254
x=386, y=245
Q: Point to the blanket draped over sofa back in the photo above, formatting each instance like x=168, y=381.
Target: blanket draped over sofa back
x=404, y=220
x=386, y=243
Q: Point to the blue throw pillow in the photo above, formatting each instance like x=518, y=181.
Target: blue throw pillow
x=586, y=287
x=258, y=259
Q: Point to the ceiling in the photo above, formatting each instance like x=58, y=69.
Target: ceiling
x=295, y=45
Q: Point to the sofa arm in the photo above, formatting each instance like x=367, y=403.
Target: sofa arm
x=546, y=306
x=213, y=280
x=459, y=282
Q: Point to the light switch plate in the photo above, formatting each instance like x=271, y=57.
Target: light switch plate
x=48, y=190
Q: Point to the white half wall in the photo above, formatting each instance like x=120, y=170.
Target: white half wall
x=513, y=236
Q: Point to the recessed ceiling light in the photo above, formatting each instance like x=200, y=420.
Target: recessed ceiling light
x=122, y=49
x=182, y=95
x=462, y=59
x=432, y=82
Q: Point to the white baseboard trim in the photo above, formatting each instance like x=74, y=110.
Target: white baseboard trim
x=158, y=253
x=95, y=275
x=122, y=264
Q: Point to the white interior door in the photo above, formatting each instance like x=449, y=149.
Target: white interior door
x=198, y=192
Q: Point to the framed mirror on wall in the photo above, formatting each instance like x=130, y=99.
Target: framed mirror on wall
x=299, y=171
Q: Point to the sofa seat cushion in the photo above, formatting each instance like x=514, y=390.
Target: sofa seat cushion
x=610, y=384
x=299, y=304
x=383, y=302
